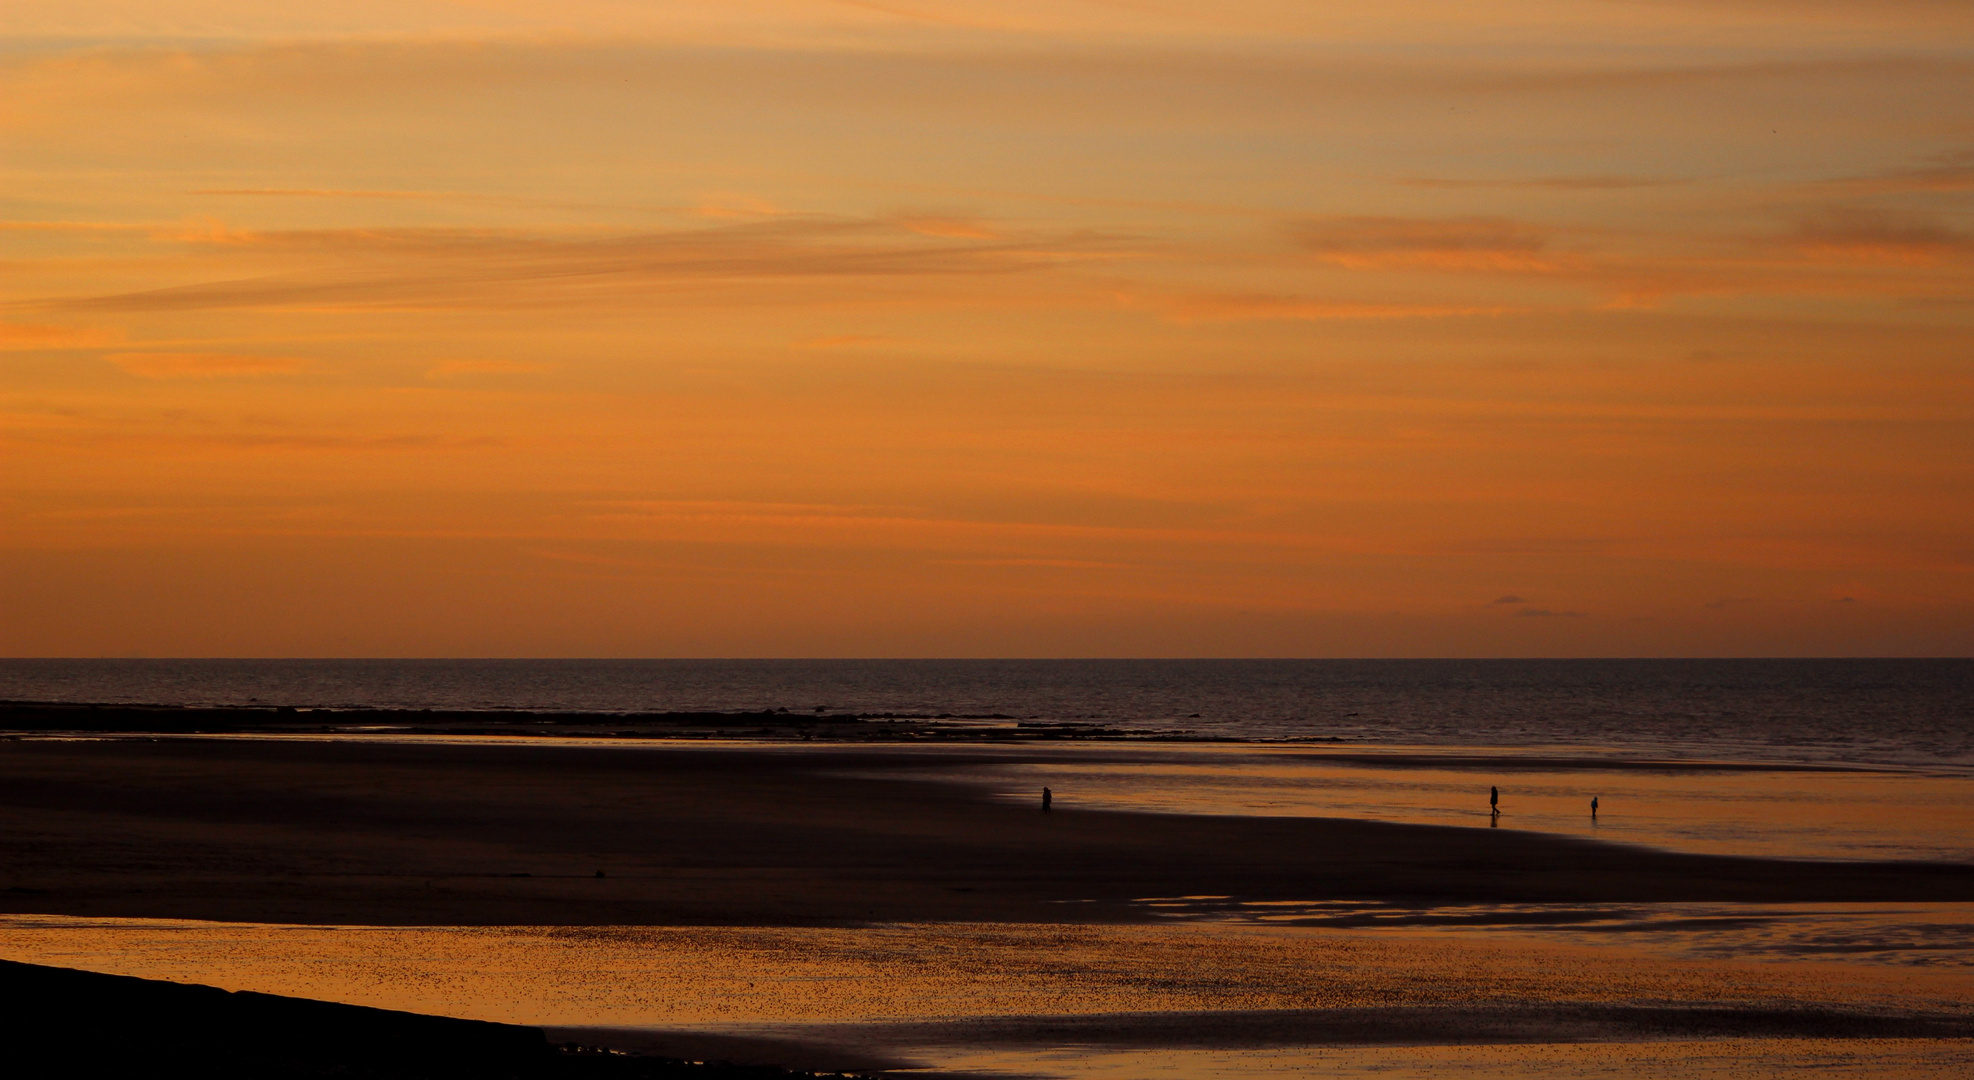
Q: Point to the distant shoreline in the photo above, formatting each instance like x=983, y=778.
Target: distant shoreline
x=1898, y=713
x=175, y=719
x=783, y=726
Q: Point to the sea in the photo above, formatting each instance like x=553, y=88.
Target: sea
x=1915, y=713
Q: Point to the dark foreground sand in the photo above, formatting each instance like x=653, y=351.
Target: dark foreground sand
x=64, y=1022
x=402, y=834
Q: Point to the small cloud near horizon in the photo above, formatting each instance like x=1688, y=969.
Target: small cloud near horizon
x=1511, y=598
x=1545, y=613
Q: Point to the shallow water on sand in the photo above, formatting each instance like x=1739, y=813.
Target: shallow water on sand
x=1924, y=935
x=1089, y=1002
x=1726, y=808
x=1753, y=1059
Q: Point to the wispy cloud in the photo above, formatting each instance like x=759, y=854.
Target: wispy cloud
x=1542, y=183
x=1875, y=235
x=1947, y=171
x=843, y=341
x=431, y=267
x=1052, y=564
x=1492, y=244
x=327, y=193
x=949, y=225
x=184, y=365
x=1828, y=251
x=1244, y=307
x=30, y=336
x=1629, y=77
x=446, y=369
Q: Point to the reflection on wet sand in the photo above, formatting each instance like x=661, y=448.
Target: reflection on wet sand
x=1912, y=934
x=1078, y=1001
x=1740, y=1059
x=1712, y=807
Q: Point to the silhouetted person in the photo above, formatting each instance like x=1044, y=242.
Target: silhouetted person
x=1047, y=798
x=1494, y=799
x=1593, y=806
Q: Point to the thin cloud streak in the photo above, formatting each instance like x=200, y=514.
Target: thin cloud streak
x=1550, y=183
x=471, y=268
x=181, y=365
x=1245, y=308
x=41, y=336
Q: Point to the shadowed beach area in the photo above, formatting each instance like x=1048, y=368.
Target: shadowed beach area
x=87, y=1023
x=478, y=834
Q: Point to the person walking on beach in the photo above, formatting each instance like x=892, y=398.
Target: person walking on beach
x=1047, y=798
x=1593, y=806
x=1494, y=799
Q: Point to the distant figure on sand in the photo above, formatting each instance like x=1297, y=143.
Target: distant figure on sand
x=1593, y=806
x=1494, y=799
x=1047, y=798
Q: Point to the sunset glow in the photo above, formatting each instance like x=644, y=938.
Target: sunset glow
x=956, y=328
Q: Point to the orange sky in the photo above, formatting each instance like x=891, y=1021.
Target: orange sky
x=953, y=328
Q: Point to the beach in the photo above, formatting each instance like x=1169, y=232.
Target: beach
x=882, y=907
x=408, y=833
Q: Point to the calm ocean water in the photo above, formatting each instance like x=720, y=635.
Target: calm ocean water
x=1905, y=712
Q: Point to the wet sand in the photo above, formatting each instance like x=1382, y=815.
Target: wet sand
x=1045, y=999
x=1774, y=810
x=477, y=834
x=879, y=908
